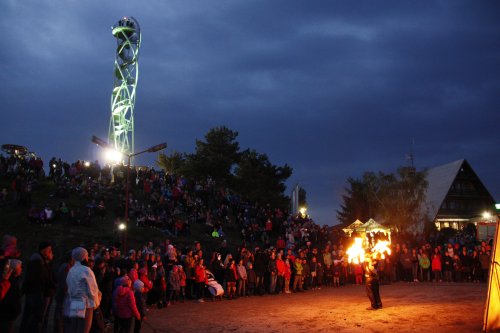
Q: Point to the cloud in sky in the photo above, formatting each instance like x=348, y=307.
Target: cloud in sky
x=331, y=88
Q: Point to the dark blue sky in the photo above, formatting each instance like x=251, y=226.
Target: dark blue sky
x=333, y=88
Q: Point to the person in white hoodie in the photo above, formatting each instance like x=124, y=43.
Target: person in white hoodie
x=83, y=294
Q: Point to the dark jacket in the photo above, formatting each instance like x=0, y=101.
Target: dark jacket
x=10, y=305
x=140, y=302
x=39, y=277
x=260, y=264
x=271, y=266
x=230, y=275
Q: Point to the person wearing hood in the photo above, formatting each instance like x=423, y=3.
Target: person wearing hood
x=124, y=306
x=83, y=294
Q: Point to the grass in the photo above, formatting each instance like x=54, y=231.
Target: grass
x=64, y=237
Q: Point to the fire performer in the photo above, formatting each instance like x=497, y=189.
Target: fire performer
x=372, y=282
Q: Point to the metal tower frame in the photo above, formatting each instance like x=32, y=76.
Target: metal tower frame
x=126, y=73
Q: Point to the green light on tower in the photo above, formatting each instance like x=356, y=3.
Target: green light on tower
x=126, y=73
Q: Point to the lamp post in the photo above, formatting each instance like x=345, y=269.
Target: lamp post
x=103, y=144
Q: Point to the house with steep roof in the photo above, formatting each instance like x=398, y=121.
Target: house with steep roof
x=456, y=196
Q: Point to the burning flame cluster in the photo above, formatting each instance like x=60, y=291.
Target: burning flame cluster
x=357, y=252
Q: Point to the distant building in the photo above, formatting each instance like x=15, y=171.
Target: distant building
x=456, y=196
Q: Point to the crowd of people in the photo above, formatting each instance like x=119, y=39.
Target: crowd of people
x=94, y=286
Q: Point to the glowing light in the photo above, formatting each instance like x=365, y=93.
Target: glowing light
x=487, y=215
x=87, y=164
x=122, y=226
x=381, y=249
x=356, y=253
x=113, y=156
x=303, y=211
x=54, y=165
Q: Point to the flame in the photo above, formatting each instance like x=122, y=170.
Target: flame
x=356, y=253
x=381, y=248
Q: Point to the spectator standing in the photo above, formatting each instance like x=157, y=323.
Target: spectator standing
x=287, y=276
x=242, y=279
x=174, y=285
x=140, y=302
x=200, y=279
x=297, y=281
x=424, y=264
x=447, y=267
x=61, y=292
x=39, y=288
x=182, y=279
x=273, y=273
x=231, y=276
x=10, y=305
x=124, y=306
x=252, y=278
x=83, y=294
x=484, y=260
x=407, y=264
x=436, y=267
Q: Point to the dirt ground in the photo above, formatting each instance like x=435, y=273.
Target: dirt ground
x=415, y=307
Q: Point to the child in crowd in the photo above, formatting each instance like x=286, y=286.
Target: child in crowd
x=329, y=276
x=182, y=276
x=297, y=281
x=174, y=283
x=321, y=274
x=231, y=276
x=242, y=278
x=336, y=273
x=436, y=267
x=140, y=302
x=251, y=279
x=287, y=276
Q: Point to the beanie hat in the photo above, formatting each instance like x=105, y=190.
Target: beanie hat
x=79, y=253
x=138, y=285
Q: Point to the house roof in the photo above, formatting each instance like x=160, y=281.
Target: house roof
x=439, y=180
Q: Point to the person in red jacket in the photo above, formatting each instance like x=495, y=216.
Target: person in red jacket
x=200, y=279
x=124, y=306
x=4, y=280
x=436, y=267
x=143, y=276
x=287, y=276
x=280, y=268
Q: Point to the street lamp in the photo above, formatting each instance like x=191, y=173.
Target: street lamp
x=111, y=151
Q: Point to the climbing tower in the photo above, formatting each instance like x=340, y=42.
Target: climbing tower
x=126, y=73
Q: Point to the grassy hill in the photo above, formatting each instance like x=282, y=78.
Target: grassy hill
x=64, y=236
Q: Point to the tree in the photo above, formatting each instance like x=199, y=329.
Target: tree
x=216, y=156
x=259, y=180
x=173, y=164
x=355, y=203
x=397, y=199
